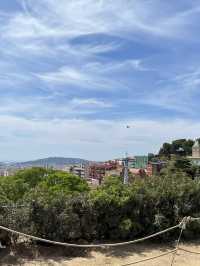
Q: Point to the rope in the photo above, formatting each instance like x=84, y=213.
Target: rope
x=90, y=245
x=188, y=251
x=162, y=255
x=151, y=258
x=183, y=227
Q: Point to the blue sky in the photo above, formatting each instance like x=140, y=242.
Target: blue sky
x=73, y=74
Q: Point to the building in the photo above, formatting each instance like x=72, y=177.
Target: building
x=154, y=168
x=4, y=173
x=139, y=162
x=141, y=173
x=77, y=169
x=97, y=172
x=195, y=158
x=119, y=162
x=114, y=172
x=196, y=150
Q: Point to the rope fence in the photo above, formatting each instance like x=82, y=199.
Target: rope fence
x=189, y=251
x=182, y=226
x=151, y=258
x=90, y=245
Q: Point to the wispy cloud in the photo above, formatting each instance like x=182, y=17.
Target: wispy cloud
x=93, y=75
x=177, y=93
x=84, y=60
x=122, y=18
x=31, y=107
x=97, y=139
x=90, y=102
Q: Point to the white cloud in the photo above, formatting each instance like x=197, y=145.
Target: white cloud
x=176, y=93
x=41, y=47
x=48, y=19
x=102, y=16
x=25, y=27
x=99, y=139
x=39, y=32
x=47, y=108
x=77, y=77
x=94, y=75
x=90, y=102
x=64, y=75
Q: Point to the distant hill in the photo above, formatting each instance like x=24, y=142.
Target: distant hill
x=3, y=166
x=52, y=162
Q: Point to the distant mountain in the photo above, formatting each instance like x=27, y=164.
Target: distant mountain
x=3, y=165
x=52, y=162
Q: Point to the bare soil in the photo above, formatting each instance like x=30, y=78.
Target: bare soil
x=121, y=256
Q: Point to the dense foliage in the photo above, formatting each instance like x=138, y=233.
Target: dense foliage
x=35, y=182
x=62, y=207
x=181, y=147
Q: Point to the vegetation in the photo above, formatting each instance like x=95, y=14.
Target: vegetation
x=61, y=207
x=182, y=147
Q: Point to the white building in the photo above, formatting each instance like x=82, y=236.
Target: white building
x=4, y=173
x=195, y=158
x=77, y=169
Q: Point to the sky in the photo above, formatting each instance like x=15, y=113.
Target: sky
x=75, y=73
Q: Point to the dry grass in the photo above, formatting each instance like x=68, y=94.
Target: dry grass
x=51, y=256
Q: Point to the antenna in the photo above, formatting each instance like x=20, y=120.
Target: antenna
x=125, y=164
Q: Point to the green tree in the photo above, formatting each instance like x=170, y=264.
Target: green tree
x=182, y=147
x=165, y=150
x=33, y=176
x=181, y=165
x=13, y=188
x=56, y=183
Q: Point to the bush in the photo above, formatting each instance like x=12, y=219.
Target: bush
x=62, y=208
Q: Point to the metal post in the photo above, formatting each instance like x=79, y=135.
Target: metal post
x=126, y=171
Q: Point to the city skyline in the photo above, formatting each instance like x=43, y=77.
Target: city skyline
x=74, y=75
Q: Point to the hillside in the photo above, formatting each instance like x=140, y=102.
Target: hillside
x=52, y=161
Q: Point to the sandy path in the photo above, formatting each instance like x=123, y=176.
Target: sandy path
x=114, y=257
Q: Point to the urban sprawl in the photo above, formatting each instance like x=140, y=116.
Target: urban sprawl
x=136, y=166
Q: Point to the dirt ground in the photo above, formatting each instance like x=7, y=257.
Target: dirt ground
x=121, y=256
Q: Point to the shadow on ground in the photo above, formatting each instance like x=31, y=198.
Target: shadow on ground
x=24, y=252
x=139, y=249
x=28, y=252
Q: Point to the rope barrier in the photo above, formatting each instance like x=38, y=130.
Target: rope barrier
x=162, y=255
x=182, y=225
x=185, y=221
x=151, y=258
x=189, y=251
x=89, y=245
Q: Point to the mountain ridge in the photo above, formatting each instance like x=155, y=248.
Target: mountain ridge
x=51, y=161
